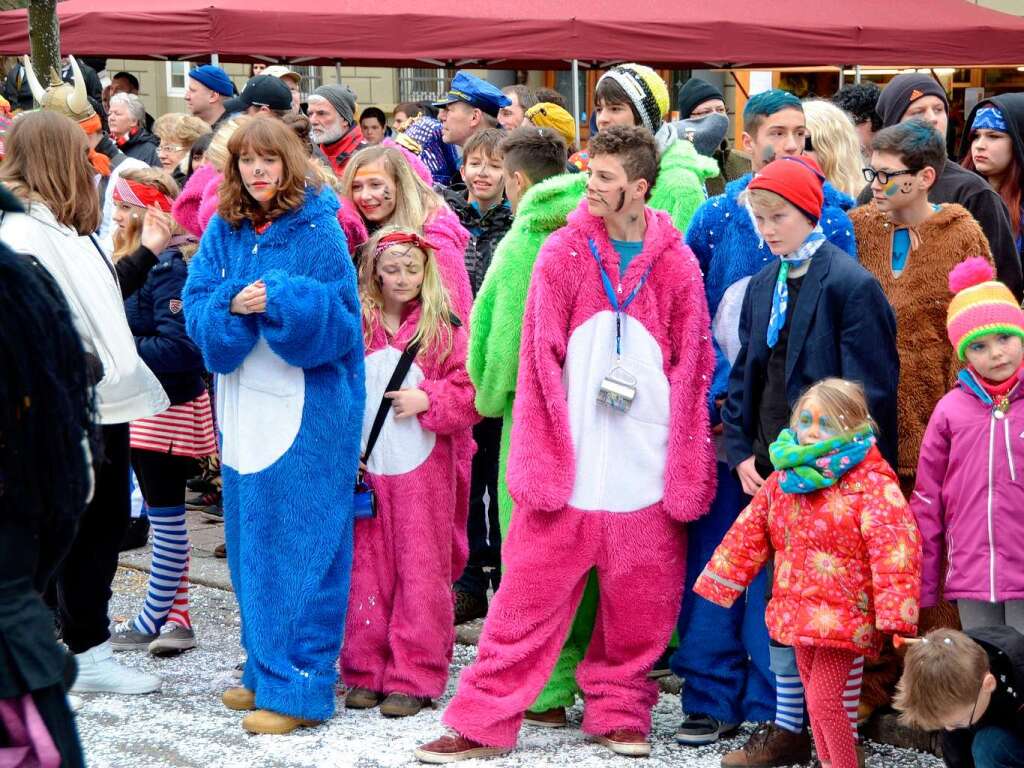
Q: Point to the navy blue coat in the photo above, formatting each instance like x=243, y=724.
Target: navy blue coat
x=157, y=320
x=842, y=326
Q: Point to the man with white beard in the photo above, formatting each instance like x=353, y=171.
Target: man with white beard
x=332, y=124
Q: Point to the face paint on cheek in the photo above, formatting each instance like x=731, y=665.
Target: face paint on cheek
x=907, y=187
x=386, y=194
x=891, y=187
x=768, y=155
x=622, y=200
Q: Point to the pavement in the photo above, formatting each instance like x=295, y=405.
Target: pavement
x=186, y=726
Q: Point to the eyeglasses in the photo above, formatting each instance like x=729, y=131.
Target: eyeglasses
x=171, y=148
x=884, y=176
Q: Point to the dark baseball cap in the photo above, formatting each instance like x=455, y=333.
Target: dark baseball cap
x=261, y=91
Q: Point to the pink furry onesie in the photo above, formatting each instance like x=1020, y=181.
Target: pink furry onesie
x=595, y=487
x=399, y=630
x=446, y=232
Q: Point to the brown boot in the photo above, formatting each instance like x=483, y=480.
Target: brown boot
x=770, y=746
x=362, y=698
x=265, y=721
x=402, y=705
x=550, y=718
x=239, y=699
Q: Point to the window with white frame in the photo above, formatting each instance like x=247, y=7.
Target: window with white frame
x=177, y=78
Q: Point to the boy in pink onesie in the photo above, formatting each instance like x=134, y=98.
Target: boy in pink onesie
x=610, y=457
x=400, y=629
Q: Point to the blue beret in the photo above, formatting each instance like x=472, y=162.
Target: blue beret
x=475, y=92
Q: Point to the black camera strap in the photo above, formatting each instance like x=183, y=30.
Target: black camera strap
x=404, y=364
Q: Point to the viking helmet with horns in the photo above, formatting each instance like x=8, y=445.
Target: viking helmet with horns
x=68, y=100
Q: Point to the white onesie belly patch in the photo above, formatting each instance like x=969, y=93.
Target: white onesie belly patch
x=259, y=409
x=620, y=457
x=403, y=444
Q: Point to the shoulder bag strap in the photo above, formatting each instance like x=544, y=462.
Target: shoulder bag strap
x=404, y=364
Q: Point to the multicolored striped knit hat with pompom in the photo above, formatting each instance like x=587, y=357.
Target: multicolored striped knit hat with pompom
x=982, y=305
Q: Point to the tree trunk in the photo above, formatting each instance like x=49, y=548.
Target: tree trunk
x=44, y=32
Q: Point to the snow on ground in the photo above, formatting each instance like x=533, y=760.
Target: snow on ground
x=186, y=726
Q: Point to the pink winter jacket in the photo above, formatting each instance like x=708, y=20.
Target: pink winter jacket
x=446, y=232
x=969, y=498
x=566, y=449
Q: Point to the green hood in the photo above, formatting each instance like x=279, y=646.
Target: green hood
x=546, y=206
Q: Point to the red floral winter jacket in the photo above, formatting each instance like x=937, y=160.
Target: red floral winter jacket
x=847, y=560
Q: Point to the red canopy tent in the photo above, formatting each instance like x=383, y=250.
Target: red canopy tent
x=537, y=33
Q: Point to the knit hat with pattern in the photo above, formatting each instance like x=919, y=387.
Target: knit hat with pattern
x=645, y=89
x=982, y=305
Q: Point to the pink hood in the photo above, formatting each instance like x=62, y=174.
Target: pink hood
x=190, y=210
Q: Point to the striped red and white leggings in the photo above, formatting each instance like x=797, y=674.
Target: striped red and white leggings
x=832, y=680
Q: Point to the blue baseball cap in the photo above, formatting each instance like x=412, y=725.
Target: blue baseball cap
x=214, y=78
x=475, y=92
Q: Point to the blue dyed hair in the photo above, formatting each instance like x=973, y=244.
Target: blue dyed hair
x=916, y=143
x=760, y=105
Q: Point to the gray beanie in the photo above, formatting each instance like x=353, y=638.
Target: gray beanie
x=341, y=97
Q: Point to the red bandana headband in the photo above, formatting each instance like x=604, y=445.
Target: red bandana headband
x=142, y=195
x=400, y=238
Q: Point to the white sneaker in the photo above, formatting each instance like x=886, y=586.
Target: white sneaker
x=75, y=703
x=99, y=673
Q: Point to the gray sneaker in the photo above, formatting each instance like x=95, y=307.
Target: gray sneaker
x=173, y=639
x=124, y=637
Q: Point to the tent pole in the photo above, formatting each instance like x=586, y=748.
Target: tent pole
x=576, y=98
x=215, y=59
x=337, y=71
x=856, y=74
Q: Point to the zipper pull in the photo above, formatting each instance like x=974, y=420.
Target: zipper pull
x=620, y=288
x=255, y=248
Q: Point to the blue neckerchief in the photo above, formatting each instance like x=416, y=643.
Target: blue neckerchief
x=780, y=297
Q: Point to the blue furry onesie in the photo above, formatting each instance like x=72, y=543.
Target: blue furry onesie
x=723, y=653
x=290, y=394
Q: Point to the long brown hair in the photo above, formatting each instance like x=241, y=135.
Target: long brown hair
x=127, y=241
x=266, y=136
x=1010, y=190
x=47, y=162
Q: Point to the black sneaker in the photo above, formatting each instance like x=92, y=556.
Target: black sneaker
x=469, y=606
x=699, y=729
x=213, y=513
x=203, y=484
x=136, y=535
x=206, y=500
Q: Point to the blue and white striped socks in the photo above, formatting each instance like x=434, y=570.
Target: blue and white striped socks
x=789, y=703
x=169, y=570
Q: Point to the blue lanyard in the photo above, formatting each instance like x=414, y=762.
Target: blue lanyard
x=613, y=298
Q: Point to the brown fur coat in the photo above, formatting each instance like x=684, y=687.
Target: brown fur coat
x=919, y=298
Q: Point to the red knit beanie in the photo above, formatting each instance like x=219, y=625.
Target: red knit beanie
x=797, y=179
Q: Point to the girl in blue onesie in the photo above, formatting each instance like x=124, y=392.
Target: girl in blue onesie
x=271, y=301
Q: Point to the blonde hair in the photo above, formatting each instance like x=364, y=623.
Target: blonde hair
x=415, y=202
x=217, y=153
x=836, y=145
x=434, y=329
x=181, y=128
x=764, y=199
x=127, y=241
x=842, y=401
x=942, y=672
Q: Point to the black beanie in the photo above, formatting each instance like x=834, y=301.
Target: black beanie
x=904, y=89
x=693, y=93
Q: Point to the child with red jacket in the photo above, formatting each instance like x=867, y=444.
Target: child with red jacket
x=847, y=554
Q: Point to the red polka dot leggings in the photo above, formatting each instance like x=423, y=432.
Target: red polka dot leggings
x=827, y=673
